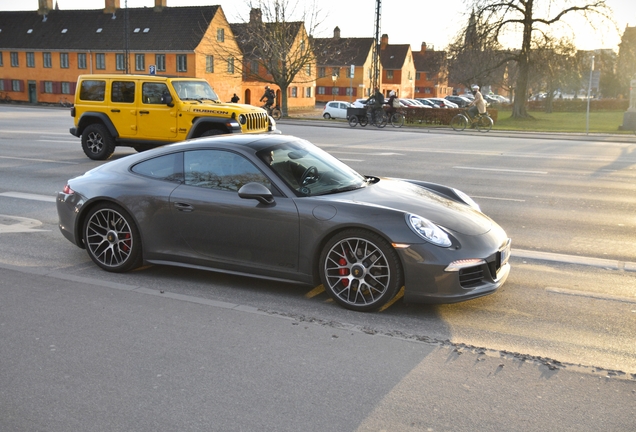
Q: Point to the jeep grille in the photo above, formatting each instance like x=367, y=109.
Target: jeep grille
x=256, y=122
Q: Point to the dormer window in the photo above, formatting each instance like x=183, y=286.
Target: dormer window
x=29, y=31
x=64, y=31
x=99, y=30
x=137, y=30
x=146, y=30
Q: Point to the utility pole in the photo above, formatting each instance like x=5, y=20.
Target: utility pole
x=126, y=37
x=375, y=81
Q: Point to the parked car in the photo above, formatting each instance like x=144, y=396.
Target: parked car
x=278, y=207
x=335, y=109
x=411, y=103
x=360, y=103
x=428, y=103
x=460, y=101
x=443, y=103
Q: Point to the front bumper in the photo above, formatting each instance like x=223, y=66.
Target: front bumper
x=427, y=279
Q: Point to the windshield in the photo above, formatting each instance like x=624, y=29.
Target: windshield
x=310, y=171
x=194, y=90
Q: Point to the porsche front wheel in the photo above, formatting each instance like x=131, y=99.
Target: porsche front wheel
x=360, y=270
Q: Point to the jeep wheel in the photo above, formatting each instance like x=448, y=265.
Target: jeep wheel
x=97, y=143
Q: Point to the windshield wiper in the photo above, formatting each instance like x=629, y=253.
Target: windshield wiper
x=344, y=189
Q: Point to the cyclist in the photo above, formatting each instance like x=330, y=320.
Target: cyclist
x=393, y=104
x=269, y=96
x=478, y=105
x=378, y=102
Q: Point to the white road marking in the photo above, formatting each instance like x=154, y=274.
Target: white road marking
x=16, y=224
x=593, y=295
x=501, y=170
x=575, y=259
x=37, y=160
x=28, y=196
x=35, y=132
x=499, y=199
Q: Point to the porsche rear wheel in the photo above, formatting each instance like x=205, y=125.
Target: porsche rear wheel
x=360, y=270
x=112, y=239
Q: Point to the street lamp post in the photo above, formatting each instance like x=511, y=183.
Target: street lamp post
x=334, y=77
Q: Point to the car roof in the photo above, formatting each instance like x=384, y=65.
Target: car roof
x=255, y=142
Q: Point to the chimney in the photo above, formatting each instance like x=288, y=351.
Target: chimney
x=45, y=6
x=384, y=41
x=160, y=5
x=336, y=33
x=111, y=6
x=423, y=51
x=256, y=16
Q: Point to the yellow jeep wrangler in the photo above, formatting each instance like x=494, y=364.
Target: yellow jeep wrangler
x=145, y=111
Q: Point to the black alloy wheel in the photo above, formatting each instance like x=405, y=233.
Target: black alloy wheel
x=360, y=270
x=111, y=238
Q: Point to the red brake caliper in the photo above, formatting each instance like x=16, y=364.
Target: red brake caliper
x=344, y=271
x=125, y=246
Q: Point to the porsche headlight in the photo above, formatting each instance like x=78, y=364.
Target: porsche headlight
x=428, y=230
x=468, y=200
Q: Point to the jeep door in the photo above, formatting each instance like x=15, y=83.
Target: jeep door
x=123, y=111
x=156, y=119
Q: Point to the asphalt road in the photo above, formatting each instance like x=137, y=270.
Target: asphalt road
x=555, y=349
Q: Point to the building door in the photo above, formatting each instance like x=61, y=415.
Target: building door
x=33, y=94
x=248, y=97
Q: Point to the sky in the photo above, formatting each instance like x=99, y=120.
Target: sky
x=404, y=21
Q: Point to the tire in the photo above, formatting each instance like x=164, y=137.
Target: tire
x=360, y=270
x=97, y=142
x=276, y=114
x=459, y=122
x=363, y=121
x=353, y=121
x=381, y=119
x=397, y=120
x=484, y=124
x=326, y=116
x=112, y=239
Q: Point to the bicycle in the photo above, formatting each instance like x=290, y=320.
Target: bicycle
x=65, y=103
x=397, y=119
x=5, y=98
x=482, y=122
x=274, y=112
x=377, y=117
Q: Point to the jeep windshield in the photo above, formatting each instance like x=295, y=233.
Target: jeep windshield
x=195, y=90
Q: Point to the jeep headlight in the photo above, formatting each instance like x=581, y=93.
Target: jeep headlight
x=428, y=230
x=242, y=119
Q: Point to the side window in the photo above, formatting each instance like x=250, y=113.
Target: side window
x=152, y=93
x=168, y=167
x=221, y=170
x=123, y=91
x=93, y=90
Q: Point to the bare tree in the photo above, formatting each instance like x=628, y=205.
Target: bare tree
x=275, y=44
x=530, y=17
x=476, y=59
x=553, y=66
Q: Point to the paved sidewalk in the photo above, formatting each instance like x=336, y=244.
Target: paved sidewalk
x=313, y=117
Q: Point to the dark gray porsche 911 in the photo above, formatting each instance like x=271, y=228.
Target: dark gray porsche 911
x=278, y=207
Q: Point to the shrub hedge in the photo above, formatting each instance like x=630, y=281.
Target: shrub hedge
x=437, y=116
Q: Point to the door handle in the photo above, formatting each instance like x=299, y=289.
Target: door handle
x=114, y=110
x=144, y=112
x=183, y=207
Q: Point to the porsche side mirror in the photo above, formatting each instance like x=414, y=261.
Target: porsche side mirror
x=256, y=191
